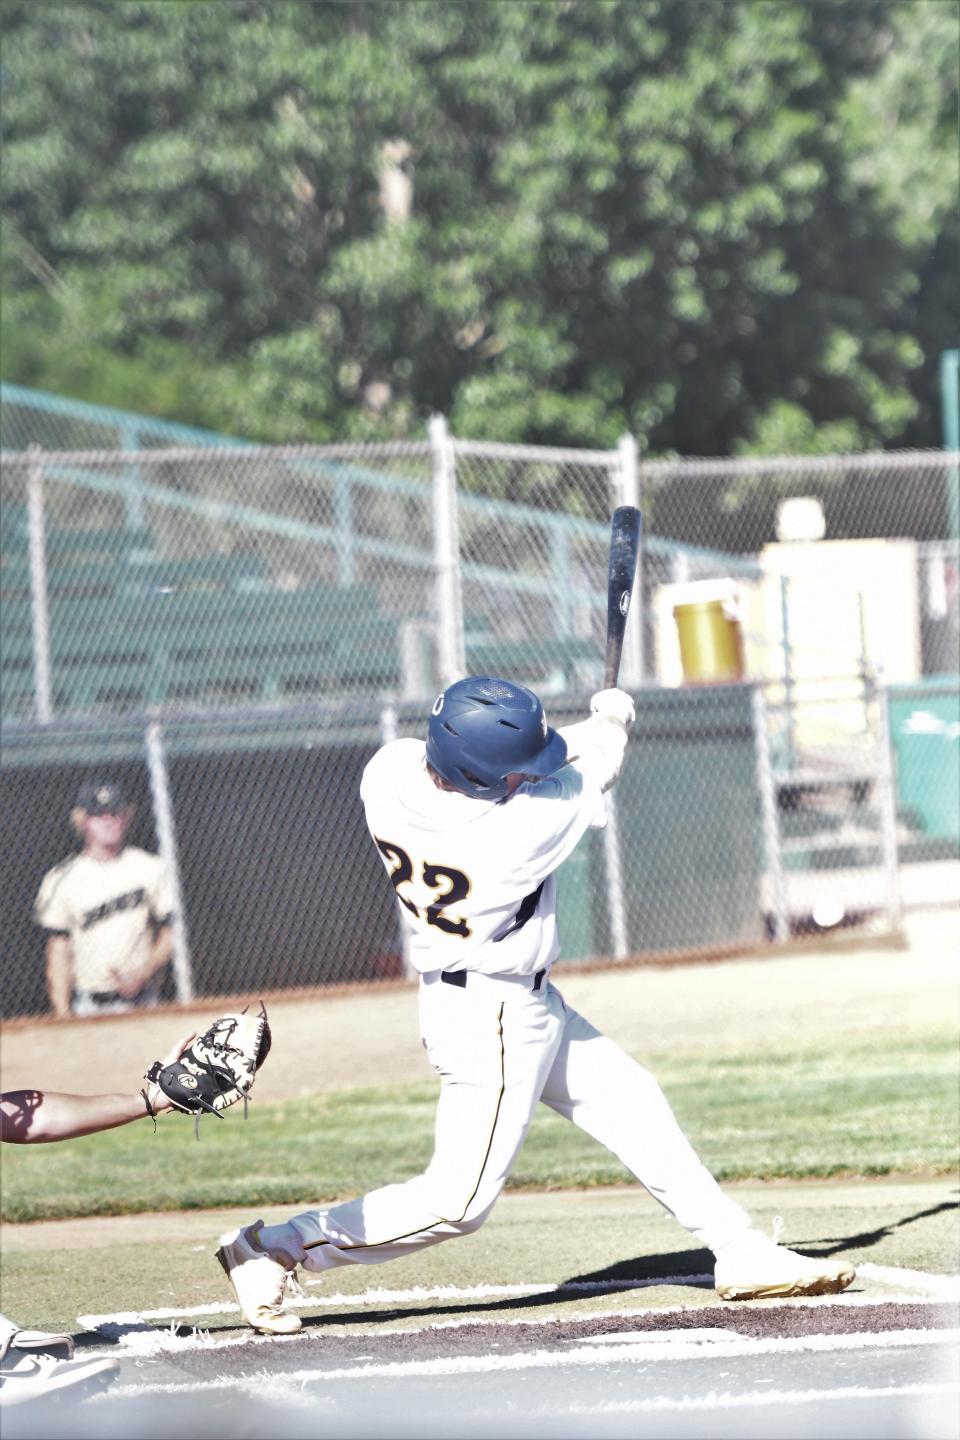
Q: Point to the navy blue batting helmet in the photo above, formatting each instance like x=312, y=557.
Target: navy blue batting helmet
x=483, y=729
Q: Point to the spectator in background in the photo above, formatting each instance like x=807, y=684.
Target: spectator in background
x=107, y=913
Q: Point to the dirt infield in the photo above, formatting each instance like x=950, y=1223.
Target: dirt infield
x=369, y=1036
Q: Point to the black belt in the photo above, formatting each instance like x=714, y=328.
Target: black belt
x=459, y=977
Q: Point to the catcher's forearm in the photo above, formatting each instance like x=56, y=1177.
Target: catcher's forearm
x=35, y=1117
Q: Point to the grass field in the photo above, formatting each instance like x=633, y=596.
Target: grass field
x=880, y=1104
x=835, y=1061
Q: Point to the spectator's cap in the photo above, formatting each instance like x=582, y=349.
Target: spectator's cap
x=102, y=797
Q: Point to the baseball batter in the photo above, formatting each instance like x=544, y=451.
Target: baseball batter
x=471, y=826
x=106, y=912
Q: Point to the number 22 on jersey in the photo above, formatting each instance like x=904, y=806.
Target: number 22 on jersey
x=450, y=886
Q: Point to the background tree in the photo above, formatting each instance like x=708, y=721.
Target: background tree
x=721, y=226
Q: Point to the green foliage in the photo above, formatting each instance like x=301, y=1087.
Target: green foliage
x=885, y=1101
x=722, y=226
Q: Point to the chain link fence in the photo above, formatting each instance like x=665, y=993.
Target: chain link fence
x=229, y=631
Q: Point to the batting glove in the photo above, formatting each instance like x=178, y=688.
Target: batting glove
x=613, y=705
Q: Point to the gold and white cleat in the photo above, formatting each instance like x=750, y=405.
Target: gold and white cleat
x=259, y=1282
x=757, y=1268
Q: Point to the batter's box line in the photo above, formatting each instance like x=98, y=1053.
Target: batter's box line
x=761, y=1399
x=924, y=1287
x=946, y=1287
x=588, y=1355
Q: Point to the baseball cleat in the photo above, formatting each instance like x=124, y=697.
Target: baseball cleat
x=36, y=1366
x=757, y=1268
x=259, y=1282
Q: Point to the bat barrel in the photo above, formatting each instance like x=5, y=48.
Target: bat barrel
x=621, y=573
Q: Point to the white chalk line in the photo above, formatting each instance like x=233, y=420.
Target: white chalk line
x=945, y=1286
x=700, y=1335
x=942, y=1286
x=144, y=1340
x=672, y=1349
x=728, y=1400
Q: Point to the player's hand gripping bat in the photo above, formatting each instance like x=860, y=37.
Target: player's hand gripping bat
x=621, y=572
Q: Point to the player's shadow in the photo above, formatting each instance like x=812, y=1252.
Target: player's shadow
x=863, y=1239
x=20, y=1106
x=691, y=1268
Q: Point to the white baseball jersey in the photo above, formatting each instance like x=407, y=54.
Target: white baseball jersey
x=106, y=907
x=475, y=878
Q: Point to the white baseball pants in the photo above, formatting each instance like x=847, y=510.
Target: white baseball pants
x=499, y=1048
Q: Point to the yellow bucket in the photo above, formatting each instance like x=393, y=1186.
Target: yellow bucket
x=711, y=642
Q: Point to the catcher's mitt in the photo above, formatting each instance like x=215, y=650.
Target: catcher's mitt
x=216, y=1069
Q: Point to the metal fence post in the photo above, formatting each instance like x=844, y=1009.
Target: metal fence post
x=389, y=731
x=887, y=798
x=39, y=602
x=564, y=595
x=343, y=524
x=628, y=492
x=446, y=554
x=128, y=438
x=864, y=672
x=787, y=668
x=167, y=842
x=950, y=415
x=774, y=889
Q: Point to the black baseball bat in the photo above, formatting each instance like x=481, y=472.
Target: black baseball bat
x=621, y=573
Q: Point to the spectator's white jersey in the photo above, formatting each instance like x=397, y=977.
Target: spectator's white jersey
x=475, y=878
x=106, y=907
